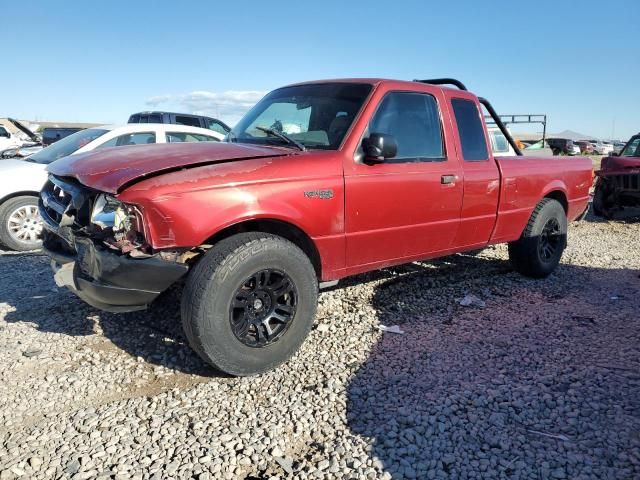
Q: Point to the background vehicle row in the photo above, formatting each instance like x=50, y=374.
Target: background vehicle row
x=22, y=180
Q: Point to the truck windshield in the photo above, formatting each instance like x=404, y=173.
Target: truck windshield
x=66, y=146
x=314, y=115
x=632, y=149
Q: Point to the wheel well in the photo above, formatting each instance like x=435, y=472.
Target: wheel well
x=19, y=194
x=275, y=227
x=560, y=197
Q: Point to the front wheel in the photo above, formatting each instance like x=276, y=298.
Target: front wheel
x=538, y=250
x=249, y=303
x=20, y=223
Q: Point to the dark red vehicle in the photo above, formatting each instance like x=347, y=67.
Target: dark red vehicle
x=317, y=182
x=617, y=190
x=586, y=148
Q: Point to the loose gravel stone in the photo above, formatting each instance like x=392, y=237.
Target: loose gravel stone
x=543, y=382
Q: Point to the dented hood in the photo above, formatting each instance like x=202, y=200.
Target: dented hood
x=110, y=169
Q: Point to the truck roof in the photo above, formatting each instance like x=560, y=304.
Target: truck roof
x=146, y=112
x=371, y=81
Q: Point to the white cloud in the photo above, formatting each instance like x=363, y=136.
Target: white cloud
x=228, y=106
x=157, y=100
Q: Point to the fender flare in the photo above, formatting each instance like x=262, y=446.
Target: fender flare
x=557, y=190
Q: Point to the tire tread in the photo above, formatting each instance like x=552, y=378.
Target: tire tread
x=523, y=252
x=221, y=261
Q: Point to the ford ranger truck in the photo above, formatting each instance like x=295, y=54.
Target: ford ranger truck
x=317, y=182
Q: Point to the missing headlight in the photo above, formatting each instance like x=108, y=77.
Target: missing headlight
x=120, y=225
x=108, y=212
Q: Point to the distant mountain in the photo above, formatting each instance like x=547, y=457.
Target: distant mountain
x=571, y=135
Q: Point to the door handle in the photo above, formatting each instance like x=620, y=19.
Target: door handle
x=448, y=179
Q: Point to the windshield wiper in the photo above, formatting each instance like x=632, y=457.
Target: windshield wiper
x=282, y=136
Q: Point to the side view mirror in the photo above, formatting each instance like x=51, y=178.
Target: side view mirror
x=379, y=146
x=614, y=154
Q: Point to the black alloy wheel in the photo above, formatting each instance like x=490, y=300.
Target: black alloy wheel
x=249, y=303
x=263, y=308
x=539, y=249
x=551, y=240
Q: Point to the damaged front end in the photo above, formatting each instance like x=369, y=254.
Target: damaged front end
x=617, y=189
x=118, y=226
x=98, y=248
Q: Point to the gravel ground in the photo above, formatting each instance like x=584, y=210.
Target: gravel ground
x=543, y=382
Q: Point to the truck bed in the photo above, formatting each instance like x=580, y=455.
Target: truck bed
x=527, y=179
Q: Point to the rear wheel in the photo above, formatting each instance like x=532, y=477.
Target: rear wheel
x=538, y=250
x=20, y=223
x=249, y=303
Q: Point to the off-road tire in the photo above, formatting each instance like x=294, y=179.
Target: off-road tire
x=525, y=254
x=212, y=284
x=6, y=209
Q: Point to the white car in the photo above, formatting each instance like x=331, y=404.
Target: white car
x=21, y=180
x=601, y=148
x=22, y=151
x=18, y=144
x=608, y=147
x=575, y=149
x=8, y=139
x=500, y=146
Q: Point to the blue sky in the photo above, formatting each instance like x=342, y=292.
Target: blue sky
x=579, y=62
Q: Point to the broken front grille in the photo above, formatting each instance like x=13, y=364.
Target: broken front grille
x=65, y=203
x=54, y=200
x=626, y=182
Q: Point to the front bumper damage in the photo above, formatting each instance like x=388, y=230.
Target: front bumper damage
x=617, y=190
x=106, y=278
x=617, y=194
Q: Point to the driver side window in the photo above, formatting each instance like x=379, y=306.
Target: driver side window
x=413, y=120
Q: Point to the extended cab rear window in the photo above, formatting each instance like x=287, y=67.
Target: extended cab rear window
x=472, y=139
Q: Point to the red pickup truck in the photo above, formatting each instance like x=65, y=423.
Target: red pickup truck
x=617, y=190
x=318, y=181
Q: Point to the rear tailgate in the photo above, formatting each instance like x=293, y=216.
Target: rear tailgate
x=526, y=180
